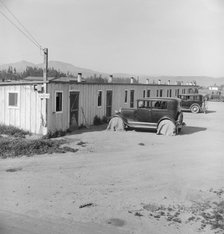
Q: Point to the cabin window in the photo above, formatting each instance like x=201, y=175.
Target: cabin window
x=157, y=93
x=132, y=94
x=58, y=101
x=183, y=91
x=99, y=100
x=148, y=93
x=125, y=96
x=143, y=93
x=13, y=99
x=161, y=92
x=176, y=92
x=169, y=92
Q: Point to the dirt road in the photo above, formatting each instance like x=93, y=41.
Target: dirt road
x=121, y=182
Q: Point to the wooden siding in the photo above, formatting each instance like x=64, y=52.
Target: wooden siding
x=27, y=115
x=58, y=120
x=88, y=108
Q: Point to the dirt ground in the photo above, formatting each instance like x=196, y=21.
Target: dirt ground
x=121, y=182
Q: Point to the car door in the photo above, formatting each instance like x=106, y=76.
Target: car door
x=185, y=102
x=144, y=113
x=159, y=110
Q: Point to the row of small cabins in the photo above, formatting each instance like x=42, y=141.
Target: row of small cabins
x=71, y=103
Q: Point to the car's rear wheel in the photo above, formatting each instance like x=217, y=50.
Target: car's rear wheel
x=166, y=127
x=195, y=108
x=116, y=124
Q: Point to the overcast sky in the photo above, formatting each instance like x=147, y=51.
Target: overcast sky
x=152, y=37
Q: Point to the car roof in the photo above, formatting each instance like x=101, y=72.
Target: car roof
x=159, y=99
x=191, y=94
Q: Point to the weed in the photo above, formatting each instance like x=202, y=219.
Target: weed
x=104, y=119
x=12, y=131
x=20, y=146
x=97, y=120
x=55, y=134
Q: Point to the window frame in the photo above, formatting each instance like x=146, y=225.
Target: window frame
x=148, y=94
x=18, y=103
x=160, y=92
x=58, y=91
x=125, y=96
x=132, y=102
x=101, y=101
x=167, y=92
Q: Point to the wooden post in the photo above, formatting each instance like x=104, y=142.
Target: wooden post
x=45, y=70
x=44, y=100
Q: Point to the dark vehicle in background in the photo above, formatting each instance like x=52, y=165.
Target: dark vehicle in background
x=152, y=113
x=193, y=102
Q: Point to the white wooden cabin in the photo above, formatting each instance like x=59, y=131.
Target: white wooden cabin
x=71, y=103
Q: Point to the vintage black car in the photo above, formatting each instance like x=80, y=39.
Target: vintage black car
x=161, y=114
x=193, y=102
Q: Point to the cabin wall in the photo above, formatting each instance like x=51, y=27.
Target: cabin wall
x=88, y=99
x=58, y=120
x=27, y=114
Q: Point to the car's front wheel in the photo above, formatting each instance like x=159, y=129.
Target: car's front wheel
x=195, y=108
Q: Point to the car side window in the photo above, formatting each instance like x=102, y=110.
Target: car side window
x=147, y=104
x=196, y=98
x=144, y=104
x=159, y=104
x=141, y=104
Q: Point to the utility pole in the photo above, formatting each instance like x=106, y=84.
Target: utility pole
x=44, y=98
x=45, y=70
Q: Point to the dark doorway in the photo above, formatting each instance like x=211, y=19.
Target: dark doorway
x=109, y=103
x=74, y=110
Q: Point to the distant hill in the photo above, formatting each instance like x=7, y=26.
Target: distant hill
x=71, y=69
x=60, y=66
x=19, y=66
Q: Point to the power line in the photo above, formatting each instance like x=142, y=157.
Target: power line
x=20, y=23
x=26, y=33
x=20, y=29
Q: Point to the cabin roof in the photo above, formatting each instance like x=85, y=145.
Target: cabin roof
x=73, y=80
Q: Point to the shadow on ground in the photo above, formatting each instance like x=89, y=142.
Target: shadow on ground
x=200, y=113
x=191, y=130
x=210, y=111
x=142, y=130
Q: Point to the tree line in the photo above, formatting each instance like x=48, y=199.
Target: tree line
x=11, y=74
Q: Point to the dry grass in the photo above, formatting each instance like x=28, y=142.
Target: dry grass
x=12, y=131
x=14, y=147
